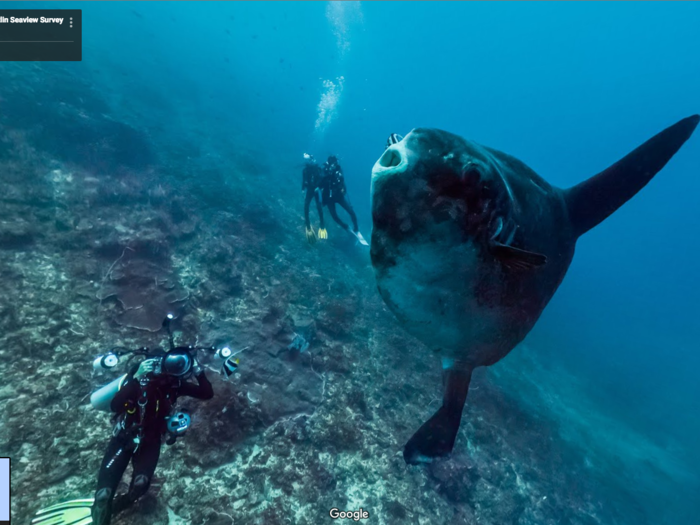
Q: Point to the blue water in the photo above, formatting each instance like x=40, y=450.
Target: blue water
x=568, y=88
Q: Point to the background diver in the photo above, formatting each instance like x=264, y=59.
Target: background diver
x=143, y=401
x=310, y=182
x=335, y=192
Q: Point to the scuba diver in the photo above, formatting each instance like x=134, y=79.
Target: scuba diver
x=310, y=182
x=143, y=401
x=335, y=192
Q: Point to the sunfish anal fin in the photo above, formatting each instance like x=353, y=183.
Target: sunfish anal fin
x=436, y=437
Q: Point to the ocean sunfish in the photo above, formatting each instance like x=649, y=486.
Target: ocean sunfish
x=469, y=245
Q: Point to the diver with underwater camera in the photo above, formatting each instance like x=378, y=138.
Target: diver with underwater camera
x=144, y=403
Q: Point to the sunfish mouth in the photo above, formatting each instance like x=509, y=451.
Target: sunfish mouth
x=394, y=159
x=459, y=194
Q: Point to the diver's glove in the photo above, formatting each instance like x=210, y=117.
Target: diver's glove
x=196, y=367
x=322, y=233
x=145, y=367
x=310, y=235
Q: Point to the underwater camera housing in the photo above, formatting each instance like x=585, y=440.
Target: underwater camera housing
x=176, y=362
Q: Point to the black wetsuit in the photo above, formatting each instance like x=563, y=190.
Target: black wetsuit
x=335, y=192
x=142, y=407
x=311, y=179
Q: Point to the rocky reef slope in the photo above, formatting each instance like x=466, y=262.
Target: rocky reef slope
x=109, y=220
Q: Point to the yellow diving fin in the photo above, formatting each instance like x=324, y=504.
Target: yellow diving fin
x=322, y=233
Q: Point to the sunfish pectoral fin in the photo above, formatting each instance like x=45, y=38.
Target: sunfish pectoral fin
x=515, y=258
x=592, y=201
x=436, y=437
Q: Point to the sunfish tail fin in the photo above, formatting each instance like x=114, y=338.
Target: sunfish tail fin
x=436, y=437
x=594, y=200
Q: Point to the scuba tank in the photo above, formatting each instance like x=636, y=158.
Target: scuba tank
x=101, y=399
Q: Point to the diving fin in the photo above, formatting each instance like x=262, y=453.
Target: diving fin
x=310, y=235
x=74, y=512
x=517, y=259
x=360, y=238
x=436, y=437
x=595, y=199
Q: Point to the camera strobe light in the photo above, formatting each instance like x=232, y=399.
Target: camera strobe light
x=105, y=362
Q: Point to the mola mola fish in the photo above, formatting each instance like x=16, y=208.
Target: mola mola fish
x=469, y=245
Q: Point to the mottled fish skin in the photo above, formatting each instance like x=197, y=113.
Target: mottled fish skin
x=438, y=203
x=469, y=245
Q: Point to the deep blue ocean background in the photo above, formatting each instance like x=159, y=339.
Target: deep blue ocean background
x=568, y=88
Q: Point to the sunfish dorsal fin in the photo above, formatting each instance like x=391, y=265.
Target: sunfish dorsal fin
x=594, y=200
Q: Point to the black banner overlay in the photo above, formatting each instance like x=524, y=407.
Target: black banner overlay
x=41, y=35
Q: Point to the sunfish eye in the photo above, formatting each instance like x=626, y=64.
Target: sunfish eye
x=471, y=176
